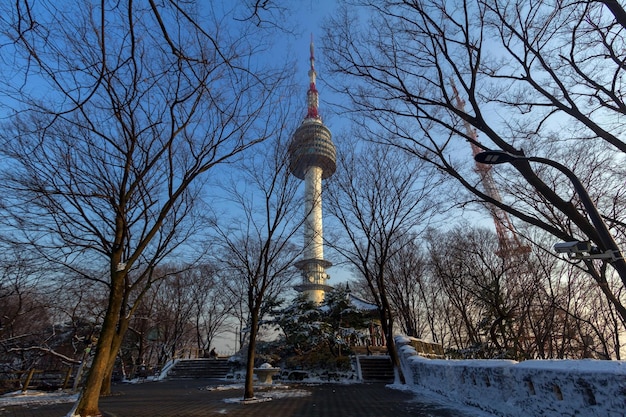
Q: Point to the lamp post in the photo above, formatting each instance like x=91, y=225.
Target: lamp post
x=615, y=255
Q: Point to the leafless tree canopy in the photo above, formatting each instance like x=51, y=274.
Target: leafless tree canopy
x=536, y=79
x=117, y=119
x=116, y=113
x=112, y=123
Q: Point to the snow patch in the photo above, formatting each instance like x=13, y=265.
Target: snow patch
x=263, y=395
x=253, y=400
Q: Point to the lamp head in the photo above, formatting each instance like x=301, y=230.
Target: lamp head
x=494, y=157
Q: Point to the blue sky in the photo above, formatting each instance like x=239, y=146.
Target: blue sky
x=309, y=16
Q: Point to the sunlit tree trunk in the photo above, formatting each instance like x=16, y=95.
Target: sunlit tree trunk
x=257, y=256
x=116, y=343
x=386, y=323
x=89, y=397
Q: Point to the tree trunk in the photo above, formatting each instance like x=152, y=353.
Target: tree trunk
x=387, y=324
x=105, y=389
x=386, y=321
x=88, y=401
x=116, y=343
x=395, y=359
x=248, y=392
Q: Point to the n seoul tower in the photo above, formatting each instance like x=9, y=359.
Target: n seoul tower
x=313, y=158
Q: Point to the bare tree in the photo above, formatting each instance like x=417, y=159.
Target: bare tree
x=173, y=309
x=41, y=325
x=187, y=310
x=257, y=253
x=17, y=284
x=534, y=79
x=447, y=267
x=407, y=281
x=180, y=314
x=379, y=197
x=119, y=111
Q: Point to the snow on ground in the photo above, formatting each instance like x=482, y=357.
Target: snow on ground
x=31, y=397
x=275, y=391
x=39, y=398
x=437, y=402
x=264, y=392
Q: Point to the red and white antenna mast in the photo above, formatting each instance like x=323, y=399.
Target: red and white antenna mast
x=312, y=95
x=509, y=242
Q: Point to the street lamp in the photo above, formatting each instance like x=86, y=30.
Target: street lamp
x=612, y=251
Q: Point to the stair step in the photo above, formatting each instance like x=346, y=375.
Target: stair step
x=376, y=368
x=199, y=368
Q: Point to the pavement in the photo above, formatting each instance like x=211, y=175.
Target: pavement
x=205, y=398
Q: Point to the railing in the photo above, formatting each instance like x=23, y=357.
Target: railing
x=37, y=379
x=427, y=349
x=188, y=353
x=195, y=353
x=369, y=350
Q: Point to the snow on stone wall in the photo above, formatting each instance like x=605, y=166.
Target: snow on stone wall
x=507, y=388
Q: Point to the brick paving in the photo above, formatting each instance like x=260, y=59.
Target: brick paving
x=195, y=398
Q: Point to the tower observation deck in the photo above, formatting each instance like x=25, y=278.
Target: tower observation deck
x=312, y=157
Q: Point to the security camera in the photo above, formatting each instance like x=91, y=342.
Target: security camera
x=572, y=247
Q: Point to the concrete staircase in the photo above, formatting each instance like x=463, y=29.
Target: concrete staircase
x=199, y=368
x=376, y=368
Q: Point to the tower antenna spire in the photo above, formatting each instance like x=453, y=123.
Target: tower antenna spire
x=312, y=95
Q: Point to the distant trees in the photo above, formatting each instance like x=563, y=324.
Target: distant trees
x=44, y=323
x=489, y=294
x=540, y=79
x=484, y=307
x=211, y=306
x=410, y=291
x=54, y=325
x=180, y=316
x=23, y=306
x=451, y=287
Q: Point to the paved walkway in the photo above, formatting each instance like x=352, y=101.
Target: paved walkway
x=199, y=398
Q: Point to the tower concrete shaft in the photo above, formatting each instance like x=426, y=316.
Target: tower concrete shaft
x=313, y=158
x=313, y=228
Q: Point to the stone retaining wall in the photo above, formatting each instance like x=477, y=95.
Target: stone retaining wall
x=507, y=388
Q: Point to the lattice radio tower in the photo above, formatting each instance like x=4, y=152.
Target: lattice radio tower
x=509, y=243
